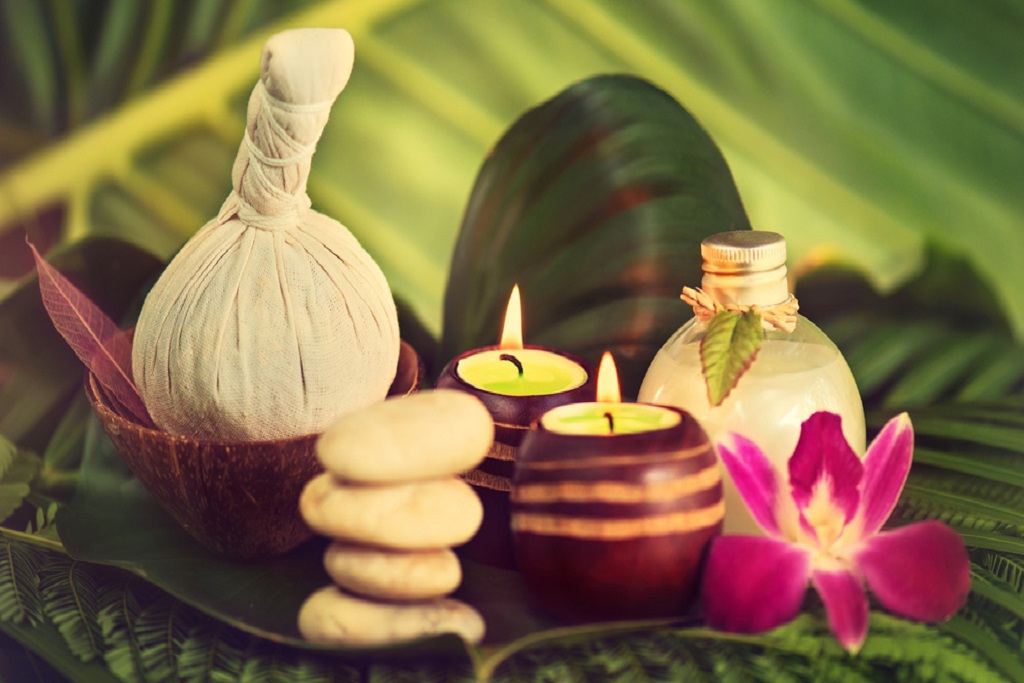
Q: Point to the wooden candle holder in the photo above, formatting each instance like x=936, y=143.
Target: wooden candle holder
x=492, y=479
x=615, y=526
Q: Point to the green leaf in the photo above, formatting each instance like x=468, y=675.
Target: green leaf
x=936, y=340
x=20, y=600
x=58, y=663
x=208, y=654
x=119, y=607
x=161, y=629
x=140, y=633
x=728, y=348
x=112, y=520
x=802, y=650
x=595, y=203
x=989, y=586
x=71, y=601
x=1007, y=661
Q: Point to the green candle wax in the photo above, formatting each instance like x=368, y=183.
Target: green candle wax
x=524, y=372
x=606, y=419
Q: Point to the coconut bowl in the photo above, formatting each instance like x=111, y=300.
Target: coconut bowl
x=239, y=499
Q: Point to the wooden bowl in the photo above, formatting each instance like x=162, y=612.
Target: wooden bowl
x=240, y=499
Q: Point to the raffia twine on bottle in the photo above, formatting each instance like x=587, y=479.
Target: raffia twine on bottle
x=781, y=316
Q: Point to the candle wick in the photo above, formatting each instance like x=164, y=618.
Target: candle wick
x=611, y=422
x=513, y=360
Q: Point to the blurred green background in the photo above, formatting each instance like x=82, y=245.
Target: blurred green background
x=886, y=138
x=862, y=130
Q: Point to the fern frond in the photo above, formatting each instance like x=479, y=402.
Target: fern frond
x=939, y=372
x=71, y=599
x=1007, y=569
x=923, y=649
x=996, y=603
x=118, y=610
x=210, y=654
x=884, y=349
x=308, y=670
x=958, y=496
x=980, y=425
x=257, y=669
x=162, y=628
x=20, y=601
x=964, y=502
x=1000, y=663
x=986, y=617
x=969, y=487
x=780, y=668
x=626, y=660
x=260, y=665
x=424, y=671
x=996, y=466
x=987, y=585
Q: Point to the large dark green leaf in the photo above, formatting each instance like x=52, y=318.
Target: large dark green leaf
x=113, y=520
x=101, y=623
x=595, y=202
x=44, y=641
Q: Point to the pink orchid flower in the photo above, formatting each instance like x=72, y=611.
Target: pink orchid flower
x=824, y=528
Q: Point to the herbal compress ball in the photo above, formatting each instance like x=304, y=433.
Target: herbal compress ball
x=272, y=321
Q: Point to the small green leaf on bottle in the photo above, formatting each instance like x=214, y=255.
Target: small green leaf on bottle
x=727, y=350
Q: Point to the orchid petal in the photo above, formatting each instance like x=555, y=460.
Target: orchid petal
x=753, y=583
x=756, y=480
x=886, y=466
x=920, y=571
x=846, y=605
x=824, y=472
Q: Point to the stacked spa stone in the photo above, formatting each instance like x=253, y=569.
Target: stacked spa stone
x=392, y=502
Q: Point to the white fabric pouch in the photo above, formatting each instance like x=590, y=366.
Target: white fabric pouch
x=272, y=320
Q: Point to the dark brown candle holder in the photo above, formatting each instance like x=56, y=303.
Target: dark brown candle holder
x=615, y=526
x=492, y=479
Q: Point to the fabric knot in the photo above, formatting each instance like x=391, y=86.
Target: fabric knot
x=288, y=215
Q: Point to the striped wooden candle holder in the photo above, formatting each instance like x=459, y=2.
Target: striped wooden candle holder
x=492, y=478
x=615, y=526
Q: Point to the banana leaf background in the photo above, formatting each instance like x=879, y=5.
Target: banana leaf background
x=885, y=140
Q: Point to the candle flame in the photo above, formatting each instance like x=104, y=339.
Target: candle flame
x=608, y=380
x=512, y=330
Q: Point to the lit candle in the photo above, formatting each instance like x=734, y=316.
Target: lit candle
x=518, y=383
x=608, y=416
x=613, y=505
x=512, y=369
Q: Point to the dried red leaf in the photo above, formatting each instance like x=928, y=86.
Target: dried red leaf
x=94, y=337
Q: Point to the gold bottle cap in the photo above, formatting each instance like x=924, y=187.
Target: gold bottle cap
x=743, y=251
